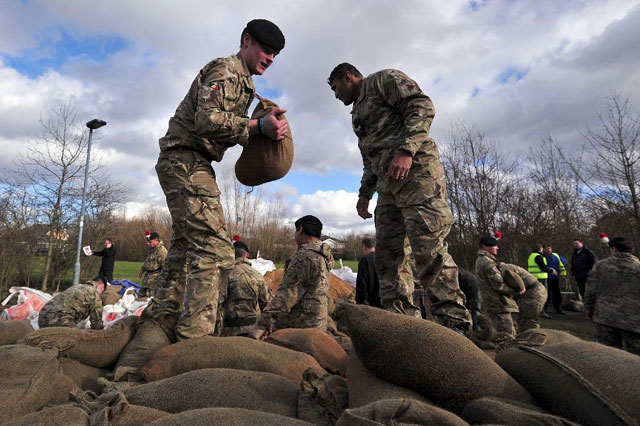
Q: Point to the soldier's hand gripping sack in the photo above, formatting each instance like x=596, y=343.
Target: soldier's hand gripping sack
x=264, y=160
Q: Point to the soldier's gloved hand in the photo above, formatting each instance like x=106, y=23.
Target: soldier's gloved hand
x=362, y=206
x=400, y=165
x=273, y=128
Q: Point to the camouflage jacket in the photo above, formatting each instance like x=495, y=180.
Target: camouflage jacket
x=613, y=292
x=155, y=259
x=390, y=115
x=302, y=297
x=77, y=303
x=529, y=280
x=496, y=296
x=213, y=115
x=245, y=296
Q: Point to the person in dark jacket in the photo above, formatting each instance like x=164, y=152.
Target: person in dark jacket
x=367, y=283
x=582, y=261
x=108, y=255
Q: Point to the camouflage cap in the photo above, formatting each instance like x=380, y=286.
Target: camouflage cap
x=265, y=32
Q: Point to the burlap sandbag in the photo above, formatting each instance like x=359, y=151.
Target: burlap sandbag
x=111, y=295
x=365, y=387
x=433, y=360
x=227, y=417
x=538, y=337
x=509, y=413
x=585, y=382
x=264, y=160
x=60, y=415
x=13, y=330
x=398, y=412
x=83, y=375
x=148, y=339
x=27, y=379
x=135, y=415
x=98, y=348
x=322, y=399
x=239, y=353
x=317, y=343
x=63, y=390
x=218, y=387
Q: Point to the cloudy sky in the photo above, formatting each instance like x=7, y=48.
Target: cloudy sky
x=518, y=70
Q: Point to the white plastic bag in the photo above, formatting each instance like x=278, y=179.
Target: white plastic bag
x=345, y=273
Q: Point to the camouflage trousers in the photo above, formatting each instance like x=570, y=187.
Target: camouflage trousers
x=50, y=317
x=402, y=288
x=618, y=338
x=149, y=284
x=531, y=304
x=201, y=253
x=503, y=322
x=419, y=211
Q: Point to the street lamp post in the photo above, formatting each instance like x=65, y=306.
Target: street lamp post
x=92, y=125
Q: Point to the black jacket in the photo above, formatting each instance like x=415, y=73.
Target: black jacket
x=367, y=283
x=581, y=262
x=108, y=259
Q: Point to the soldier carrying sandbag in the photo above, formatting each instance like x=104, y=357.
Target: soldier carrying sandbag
x=301, y=300
x=152, y=266
x=73, y=305
x=532, y=301
x=244, y=296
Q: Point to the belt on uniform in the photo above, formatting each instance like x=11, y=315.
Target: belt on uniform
x=239, y=322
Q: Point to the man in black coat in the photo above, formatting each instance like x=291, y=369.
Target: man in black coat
x=108, y=255
x=582, y=261
x=367, y=283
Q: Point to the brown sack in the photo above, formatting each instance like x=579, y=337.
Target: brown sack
x=538, y=337
x=64, y=389
x=394, y=412
x=13, y=330
x=98, y=348
x=227, y=417
x=317, y=343
x=27, y=379
x=508, y=413
x=60, y=415
x=83, y=375
x=585, y=382
x=148, y=339
x=322, y=400
x=433, y=360
x=365, y=388
x=135, y=415
x=218, y=387
x=264, y=160
x=111, y=295
x=239, y=353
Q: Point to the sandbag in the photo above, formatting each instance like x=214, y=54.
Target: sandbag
x=508, y=413
x=238, y=353
x=322, y=400
x=585, y=382
x=398, y=412
x=64, y=388
x=98, y=348
x=365, y=388
x=433, y=360
x=317, y=343
x=538, y=337
x=218, y=387
x=264, y=160
x=148, y=339
x=227, y=417
x=13, y=330
x=60, y=415
x=83, y=375
x=135, y=415
x=27, y=379
x=111, y=294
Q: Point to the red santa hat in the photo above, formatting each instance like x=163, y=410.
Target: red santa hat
x=604, y=239
x=147, y=234
x=236, y=237
x=497, y=235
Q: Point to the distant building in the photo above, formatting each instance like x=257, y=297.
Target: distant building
x=333, y=243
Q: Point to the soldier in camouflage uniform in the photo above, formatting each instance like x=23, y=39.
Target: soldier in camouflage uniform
x=245, y=295
x=211, y=118
x=302, y=298
x=532, y=301
x=76, y=303
x=152, y=265
x=391, y=117
x=612, y=297
x=497, y=297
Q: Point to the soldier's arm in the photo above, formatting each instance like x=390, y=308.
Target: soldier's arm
x=219, y=90
x=495, y=280
x=416, y=108
x=591, y=289
x=95, y=312
x=264, y=295
x=369, y=179
x=286, y=296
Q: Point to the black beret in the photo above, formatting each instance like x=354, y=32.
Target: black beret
x=265, y=32
x=621, y=244
x=488, y=241
x=241, y=245
x=311, y=225
x=154, y=236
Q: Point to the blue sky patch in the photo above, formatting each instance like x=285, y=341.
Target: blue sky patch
x=309, y=183
x=512, y=74
x=56, y=47
x=475, y=92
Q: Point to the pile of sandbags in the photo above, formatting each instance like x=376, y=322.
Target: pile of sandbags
x=338, y=288
x=13, y=330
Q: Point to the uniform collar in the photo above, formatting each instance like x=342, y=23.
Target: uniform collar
x=362, y=95
x=241, y=66
x=486, y=254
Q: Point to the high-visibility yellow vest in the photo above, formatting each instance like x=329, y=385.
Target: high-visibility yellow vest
x=534, y=269
x=563, y=269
